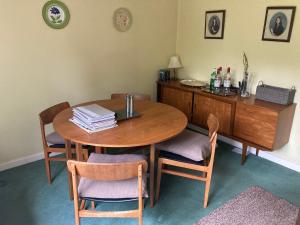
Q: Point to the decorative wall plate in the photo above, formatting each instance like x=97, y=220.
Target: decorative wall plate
x=122, y=19
x=56, y=14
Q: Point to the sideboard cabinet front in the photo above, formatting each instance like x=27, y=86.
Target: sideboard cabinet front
x=180, y=99
x=203, y=106
x=265, y=126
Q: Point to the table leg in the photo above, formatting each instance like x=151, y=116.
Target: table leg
x=98, y=150
x=152, y=162
x=244, y=153
x=79, y=154
x=69, y=156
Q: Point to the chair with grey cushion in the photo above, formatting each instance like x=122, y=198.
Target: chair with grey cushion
x=111, y=178
x=53, y=142
x=190, y=150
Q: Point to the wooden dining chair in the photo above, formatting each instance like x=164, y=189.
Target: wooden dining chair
x=135, y=96
x=190, y=150
x=53, y=142
x=109, y=178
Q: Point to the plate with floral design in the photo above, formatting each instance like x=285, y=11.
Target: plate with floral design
x=122, y=19
x=56, y=14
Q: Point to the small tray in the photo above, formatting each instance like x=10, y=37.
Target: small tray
x=221, y=91
x=122, y=115
x=193, y=83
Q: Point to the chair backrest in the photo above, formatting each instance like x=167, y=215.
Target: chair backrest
x=47, y=116
x=106, y=171
x=135, y=96
x=213, y=126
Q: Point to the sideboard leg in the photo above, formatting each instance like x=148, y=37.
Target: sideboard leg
x=257, y=151
x=244, y=154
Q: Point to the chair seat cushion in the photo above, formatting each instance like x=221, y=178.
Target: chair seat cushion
x=179, y=158
x=55, y=139
x=121, y=189
x=189, y=144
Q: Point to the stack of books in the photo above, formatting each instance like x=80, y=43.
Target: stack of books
x=93, y=118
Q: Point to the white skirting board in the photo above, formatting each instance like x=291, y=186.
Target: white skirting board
x=23, y=161
x=237, y=149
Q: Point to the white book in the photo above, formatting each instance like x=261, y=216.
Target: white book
x=91, y=131
x=88, y=120
x=95, y=111
x=95, y=126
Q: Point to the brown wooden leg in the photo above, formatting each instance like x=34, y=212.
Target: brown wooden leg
x=79, y=154
x=47, y=166
x=104, y=150
x=257, y=151
x=244, y=153
x=82, y=204
x=152, y=162
x=69, y=156
x=98, y=150
x=93, y=205
x=85, y=155
x=159, y=168
x=207, y=187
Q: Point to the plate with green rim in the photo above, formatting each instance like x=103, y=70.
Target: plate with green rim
x=56, y=14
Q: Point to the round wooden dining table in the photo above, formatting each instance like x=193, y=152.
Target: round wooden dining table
x=157, y=122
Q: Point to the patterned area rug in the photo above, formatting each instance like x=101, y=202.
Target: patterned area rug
x=255, y=206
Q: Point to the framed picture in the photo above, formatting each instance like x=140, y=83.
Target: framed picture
x=278, y=23
x=214, y=24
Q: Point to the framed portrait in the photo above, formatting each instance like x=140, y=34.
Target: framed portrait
x=214, y=24
x=279, y=23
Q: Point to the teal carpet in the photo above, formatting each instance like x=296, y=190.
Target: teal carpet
x=27, y=199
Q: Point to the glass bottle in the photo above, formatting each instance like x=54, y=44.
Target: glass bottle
x=227, y=81
x=212, y=79
x=218, y=79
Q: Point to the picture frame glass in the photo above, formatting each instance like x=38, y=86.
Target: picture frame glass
x=214, y=24
x=278, y=23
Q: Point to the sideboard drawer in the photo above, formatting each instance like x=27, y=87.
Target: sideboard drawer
x=255, y=124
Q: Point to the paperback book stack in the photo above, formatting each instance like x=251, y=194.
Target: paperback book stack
x=93, y=118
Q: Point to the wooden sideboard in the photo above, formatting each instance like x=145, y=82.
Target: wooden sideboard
x=260, y=124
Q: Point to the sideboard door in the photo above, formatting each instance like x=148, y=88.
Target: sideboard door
x=224, y=111
x=180, y=99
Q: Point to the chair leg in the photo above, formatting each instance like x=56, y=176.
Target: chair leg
x=93, y=205
x=77, y=219
x=82, y=204
x=204, y=174
x=207, y=188
x=141, y=206
x=159, y=168
x=47, y=167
